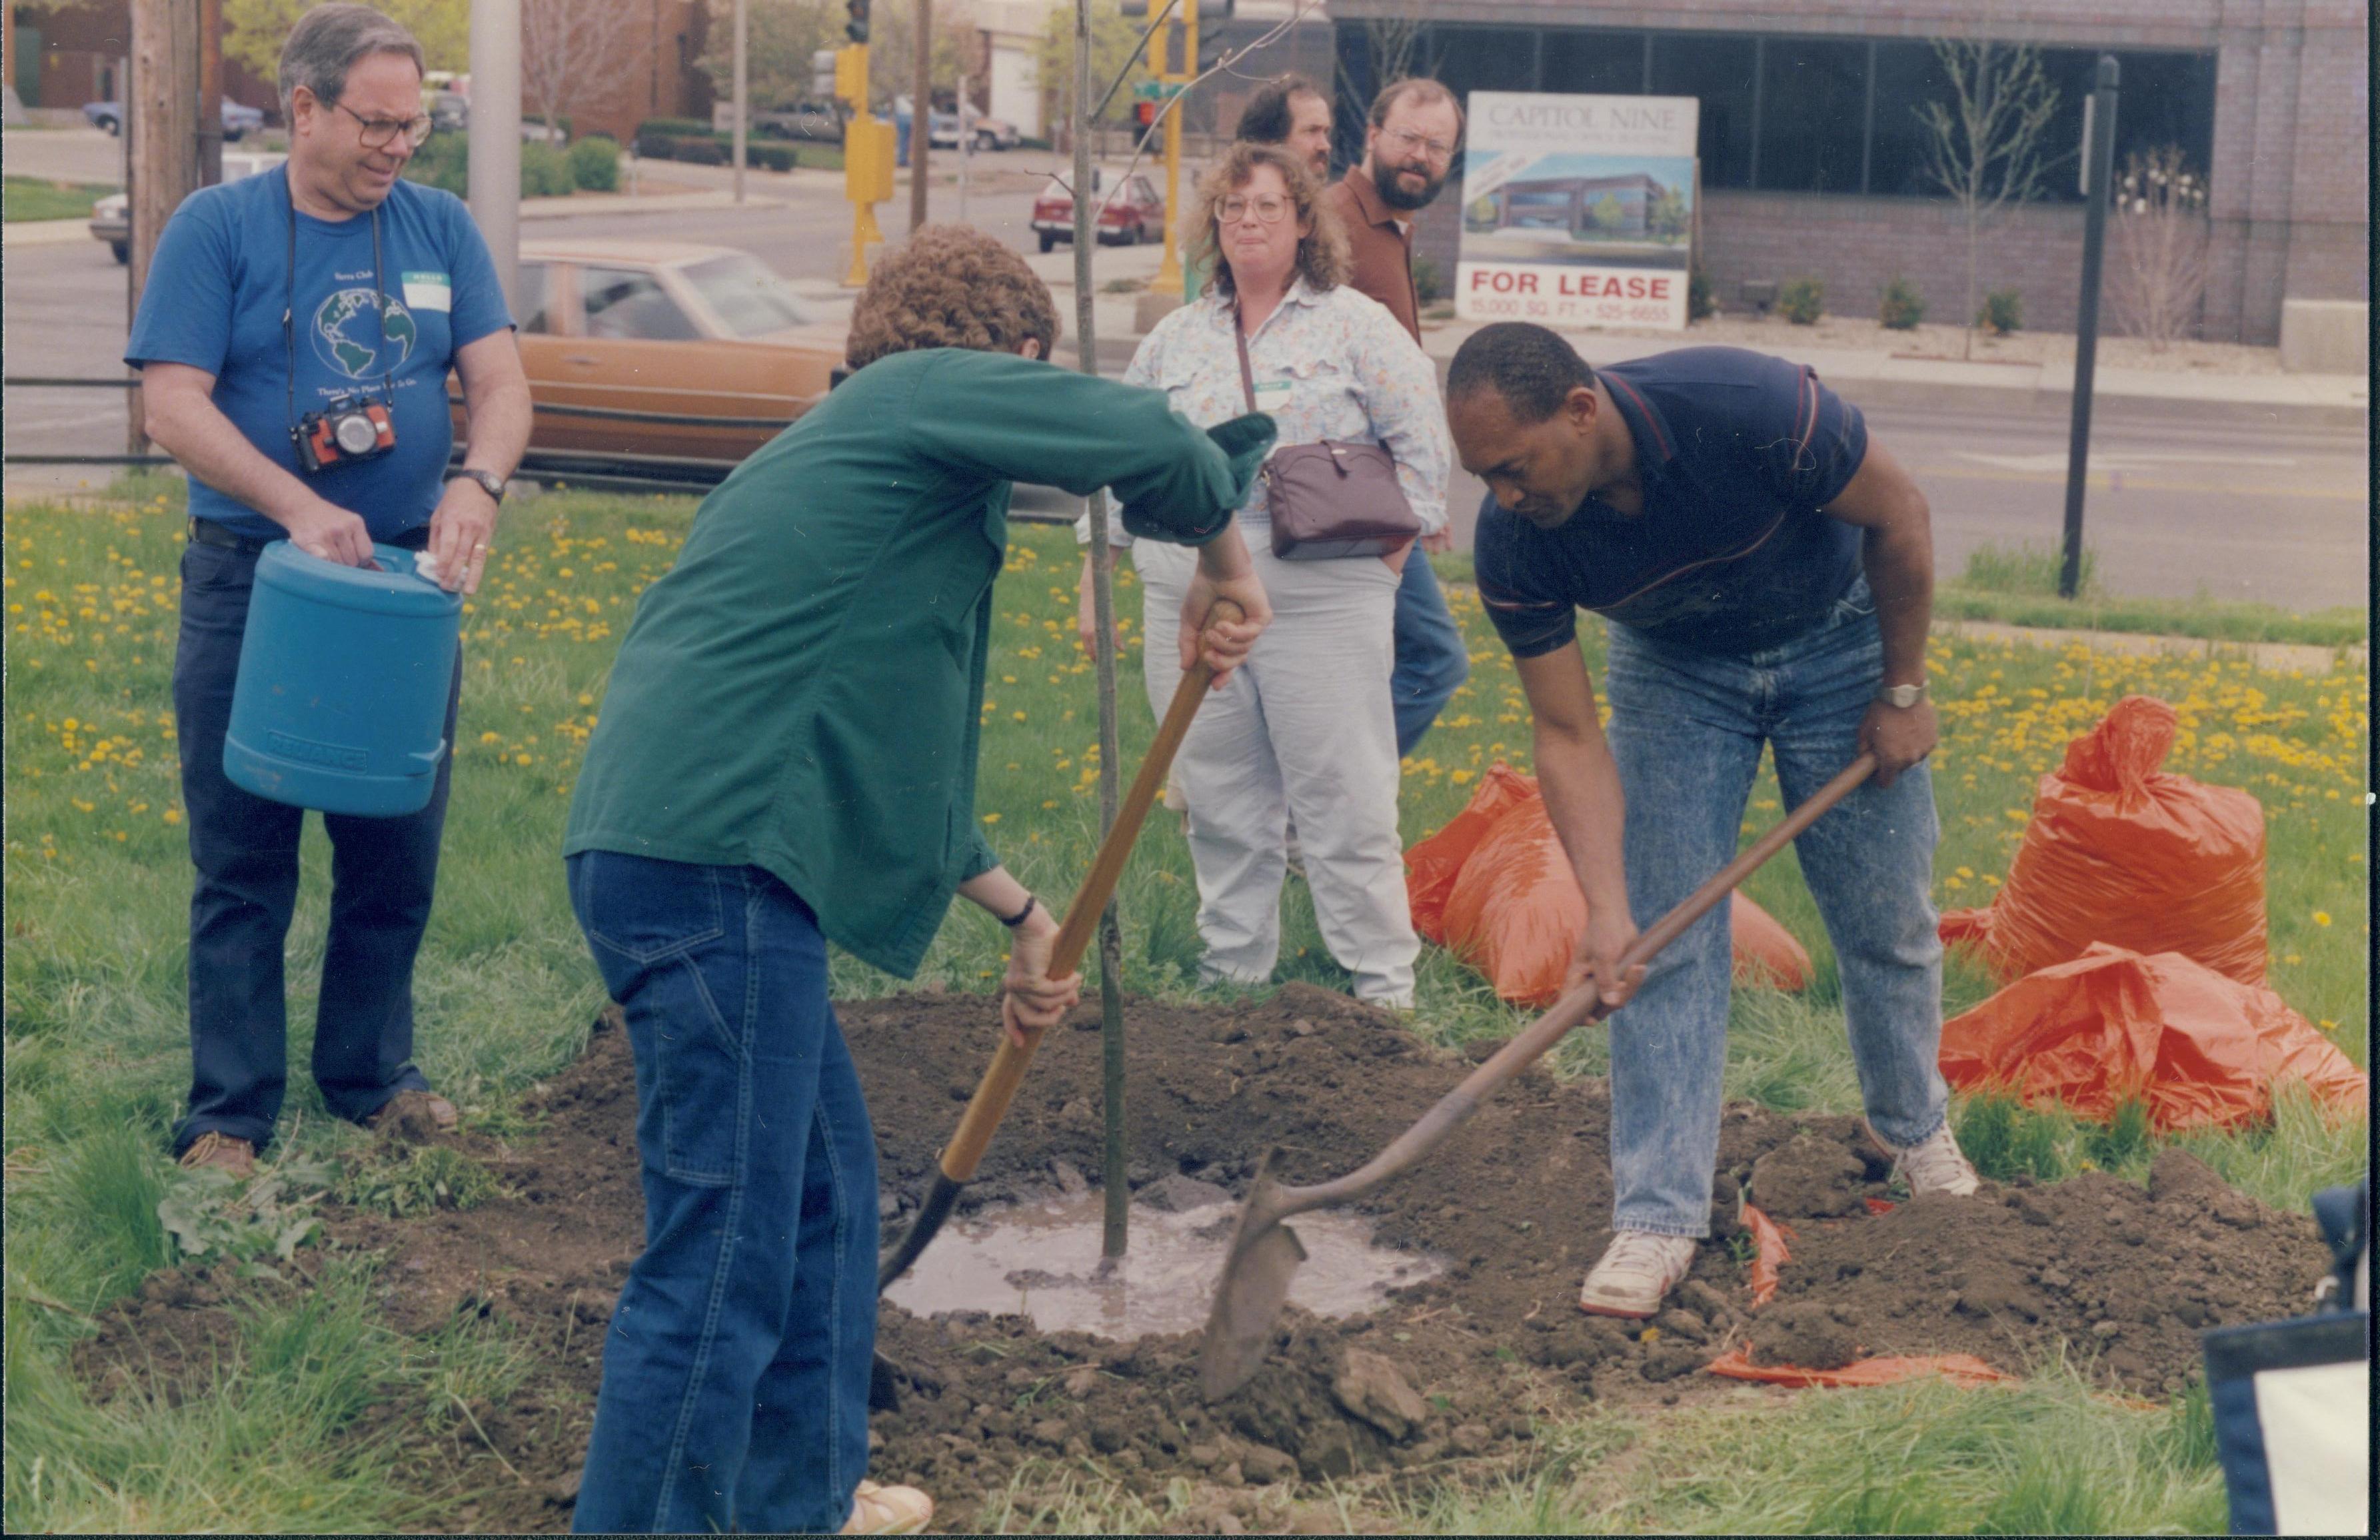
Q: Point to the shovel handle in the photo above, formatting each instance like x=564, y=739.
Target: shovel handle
x=992, y=1098
x=1582, y=1004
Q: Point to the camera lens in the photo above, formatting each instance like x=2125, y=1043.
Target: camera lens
x=356, y=433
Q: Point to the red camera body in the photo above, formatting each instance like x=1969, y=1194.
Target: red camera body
x=345, y=432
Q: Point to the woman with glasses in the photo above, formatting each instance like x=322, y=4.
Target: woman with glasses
x=1305, y=733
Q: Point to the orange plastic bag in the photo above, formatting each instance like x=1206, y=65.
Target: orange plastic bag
x=1495, y=887
x=2199, y=1049
x=1963, y=1367
x=1435, y=861
x=1768, y=1253
x=2120, y=852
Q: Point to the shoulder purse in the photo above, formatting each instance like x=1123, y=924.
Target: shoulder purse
x=1330, y=498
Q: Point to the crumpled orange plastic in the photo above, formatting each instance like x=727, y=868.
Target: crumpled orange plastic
x=1768, y=1253
x=1963, y=1367
x=2199, y=1049
x=1495, y=888
x=2121, y=852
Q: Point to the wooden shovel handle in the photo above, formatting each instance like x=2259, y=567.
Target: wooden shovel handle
x=992, y=1098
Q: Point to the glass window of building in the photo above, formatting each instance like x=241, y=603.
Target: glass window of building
x=1720, y=71
x=1813, y=114
x=1583, y=63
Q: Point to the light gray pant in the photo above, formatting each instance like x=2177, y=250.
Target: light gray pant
x=1305, y=731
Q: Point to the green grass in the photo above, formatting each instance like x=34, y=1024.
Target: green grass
x=39, y=198
x=96, y=1049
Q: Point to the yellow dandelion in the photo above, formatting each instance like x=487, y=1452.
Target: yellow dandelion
x=2321, y=917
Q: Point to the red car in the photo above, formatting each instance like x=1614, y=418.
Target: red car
x=1135, y=214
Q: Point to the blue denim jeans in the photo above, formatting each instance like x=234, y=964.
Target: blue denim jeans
x=244, y=850
x=1432, y=657
x=1687, y=731
x=735, y=1370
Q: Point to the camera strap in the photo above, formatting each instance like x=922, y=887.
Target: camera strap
x=289, y=303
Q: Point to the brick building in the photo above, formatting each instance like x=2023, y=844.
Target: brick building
x=1810, y=148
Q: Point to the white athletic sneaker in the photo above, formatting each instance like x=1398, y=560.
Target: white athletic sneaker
x=1635, y=1271
x=1935, y=1165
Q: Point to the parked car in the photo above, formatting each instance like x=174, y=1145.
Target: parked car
x=1132, y=215
x=819, y=122
x=988, y=133
x=238, y=120
x=111, y=217
x=450, y=113
x=662, y=329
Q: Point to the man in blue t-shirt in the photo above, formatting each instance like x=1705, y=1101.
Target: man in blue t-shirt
x=275, y=307
x=1767, y=576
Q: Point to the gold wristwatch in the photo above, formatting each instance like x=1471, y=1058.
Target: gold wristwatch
x=1901, y=697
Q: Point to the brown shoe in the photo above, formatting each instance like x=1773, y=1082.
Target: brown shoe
x=415, y=1115
x=221, y=1152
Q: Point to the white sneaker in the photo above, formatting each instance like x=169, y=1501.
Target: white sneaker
x=1935, y=1165
x=888, y=1511
x=1636, y=1270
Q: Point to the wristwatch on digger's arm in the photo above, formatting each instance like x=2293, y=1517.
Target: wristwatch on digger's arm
x=490, y=483
x=1901, y=697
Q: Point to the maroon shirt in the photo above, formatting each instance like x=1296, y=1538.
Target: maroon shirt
x=1382, y=252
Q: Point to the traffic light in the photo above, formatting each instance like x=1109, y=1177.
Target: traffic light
x=856, y=29
x=1144, y=113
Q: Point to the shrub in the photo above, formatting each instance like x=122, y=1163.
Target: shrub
x=769, y=157
x=444, y=162
x=1902, y=307
x=545, y=172
x=531, y=120
x=1429, y=280
x=1702, y=299
x=672, y=127
x=1801, y=301
x=2003, y=312
x=595, y=165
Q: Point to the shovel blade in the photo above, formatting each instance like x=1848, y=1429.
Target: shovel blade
x=1265, y=1257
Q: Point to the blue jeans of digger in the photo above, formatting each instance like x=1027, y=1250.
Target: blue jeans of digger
x=1432, y=657
x=1687, y=729
x=735, y=1370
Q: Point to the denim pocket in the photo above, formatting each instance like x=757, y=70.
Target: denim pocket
x=646, y=910
x=694, y=1072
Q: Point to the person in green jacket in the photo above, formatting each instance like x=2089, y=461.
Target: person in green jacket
x=785, y=757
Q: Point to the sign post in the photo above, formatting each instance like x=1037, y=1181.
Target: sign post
x=2098, y=172
x=1577, y=210
x=868, y=149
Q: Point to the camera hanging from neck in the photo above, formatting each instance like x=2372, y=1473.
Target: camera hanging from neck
x=346, y=430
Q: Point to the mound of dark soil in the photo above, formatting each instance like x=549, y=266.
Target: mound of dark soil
x=1448, y=1377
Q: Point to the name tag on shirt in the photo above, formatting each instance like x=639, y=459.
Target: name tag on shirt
x=1273, y=395
x=429, y=291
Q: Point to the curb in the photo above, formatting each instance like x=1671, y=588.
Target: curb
x=44, y=232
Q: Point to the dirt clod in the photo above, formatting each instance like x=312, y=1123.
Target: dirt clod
x=1809, y=1178
x=1806, y=1334
x=1375, y=1389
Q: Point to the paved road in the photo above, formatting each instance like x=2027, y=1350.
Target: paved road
x=2174, y=509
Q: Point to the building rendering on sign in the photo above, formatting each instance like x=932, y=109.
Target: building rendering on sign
x=1573, y=205
x=1812, y=152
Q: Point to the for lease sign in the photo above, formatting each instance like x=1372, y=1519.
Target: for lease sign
x=1577, y=210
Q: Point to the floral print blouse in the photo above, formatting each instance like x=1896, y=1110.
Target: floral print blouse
x=1351, y=374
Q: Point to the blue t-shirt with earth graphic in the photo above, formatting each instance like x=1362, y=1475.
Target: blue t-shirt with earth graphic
x=214, y=299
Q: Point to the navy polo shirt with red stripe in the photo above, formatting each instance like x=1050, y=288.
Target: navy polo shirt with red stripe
x=1738, y=452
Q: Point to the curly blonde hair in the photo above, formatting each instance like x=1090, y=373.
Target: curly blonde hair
x=949, y=286
x=1322, y=259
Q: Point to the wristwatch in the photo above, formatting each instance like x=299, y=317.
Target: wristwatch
x=490, y=483
x=1901, y=697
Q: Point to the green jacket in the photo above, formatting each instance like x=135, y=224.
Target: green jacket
x=802, y=691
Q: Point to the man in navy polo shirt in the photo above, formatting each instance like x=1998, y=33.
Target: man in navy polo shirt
x=1767, y=574
x=328, y=287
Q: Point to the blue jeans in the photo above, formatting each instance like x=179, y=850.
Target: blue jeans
x=1432, y=657
x=1687, y=730
x=244, y=850
x=735, y=1370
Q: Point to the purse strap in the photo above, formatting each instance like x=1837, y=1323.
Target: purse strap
x=1247, y=374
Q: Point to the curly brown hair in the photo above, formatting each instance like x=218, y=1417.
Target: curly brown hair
x=1322, y=259
x=949, y=286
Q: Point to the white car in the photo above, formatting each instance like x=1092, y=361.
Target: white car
x=111, y=217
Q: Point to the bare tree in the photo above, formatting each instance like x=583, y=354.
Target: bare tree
x=1392, y=39
x=1984, y=147
x=2159, y=274
x=578, y=52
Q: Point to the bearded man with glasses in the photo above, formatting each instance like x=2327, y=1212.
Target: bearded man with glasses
x=280, y=311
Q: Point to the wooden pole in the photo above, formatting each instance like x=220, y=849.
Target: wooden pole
x=1115, y=1185
x=921, y=112
x=160, y=107
x=210, y=134
x=743, y=98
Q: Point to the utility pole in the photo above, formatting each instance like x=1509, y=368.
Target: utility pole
x=921, y=112
x=742, y=99
x=495, y=141
x=161, y=109
x=211, y=136
x=2098, y=174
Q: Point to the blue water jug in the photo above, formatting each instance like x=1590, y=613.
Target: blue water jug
x=344, y=678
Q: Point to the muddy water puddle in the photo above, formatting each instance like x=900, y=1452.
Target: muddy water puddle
x=1043, y=1260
